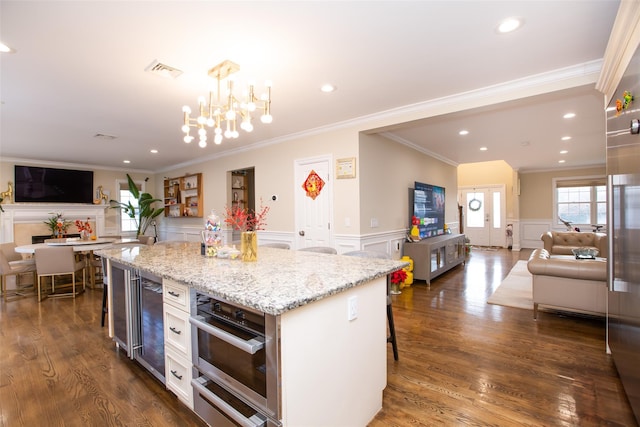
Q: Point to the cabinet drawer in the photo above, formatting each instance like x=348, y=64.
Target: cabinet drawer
x=178, y=376
x=176, y=294
x=177, y=330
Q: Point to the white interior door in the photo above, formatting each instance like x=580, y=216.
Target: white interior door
x=313, y=214
x=484, y=215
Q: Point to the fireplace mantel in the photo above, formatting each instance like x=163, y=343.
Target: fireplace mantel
x=26, y=213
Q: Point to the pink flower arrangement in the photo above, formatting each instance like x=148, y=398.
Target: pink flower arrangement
x=244, y=220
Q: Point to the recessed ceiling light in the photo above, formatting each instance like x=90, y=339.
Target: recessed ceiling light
x=328, y=88
x=126, y=161
x=6, y=49
x=564, y=152
x=154, y=151
x=463, y=132
x=566, y=138
x=561, y=161
x=569, y=115
x=483, y=148
x=510, y=24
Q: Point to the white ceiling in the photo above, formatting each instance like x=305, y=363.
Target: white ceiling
x=79, y=70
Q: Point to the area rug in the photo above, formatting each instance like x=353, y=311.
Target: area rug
x=515, y=290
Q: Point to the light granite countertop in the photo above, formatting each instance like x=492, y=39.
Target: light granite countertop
x=280, y=280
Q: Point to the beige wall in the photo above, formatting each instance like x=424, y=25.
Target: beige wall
x=274, y=174
x=491, y=173
x=387, y=171
x=536, y=189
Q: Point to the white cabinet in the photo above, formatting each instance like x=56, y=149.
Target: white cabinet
x=177, y=340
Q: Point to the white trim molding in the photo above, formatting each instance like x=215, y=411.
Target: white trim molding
x=30, y=213
x=623, y=42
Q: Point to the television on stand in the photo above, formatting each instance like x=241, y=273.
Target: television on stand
x=428, y=207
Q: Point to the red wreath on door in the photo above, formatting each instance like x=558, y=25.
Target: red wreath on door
x=313, y=184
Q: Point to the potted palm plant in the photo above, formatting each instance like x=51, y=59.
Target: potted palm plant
x=144, y=213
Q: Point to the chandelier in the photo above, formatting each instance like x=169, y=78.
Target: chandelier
x=225, y=109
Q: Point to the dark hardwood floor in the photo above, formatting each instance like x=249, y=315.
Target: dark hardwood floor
x=462, y=362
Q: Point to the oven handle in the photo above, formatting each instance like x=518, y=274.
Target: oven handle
x=251, y=346
x=229, y=410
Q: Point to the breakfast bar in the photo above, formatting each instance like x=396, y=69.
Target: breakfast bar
x=322, y=359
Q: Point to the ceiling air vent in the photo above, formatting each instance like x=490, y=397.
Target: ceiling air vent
x=104, y=136
x=162, y=70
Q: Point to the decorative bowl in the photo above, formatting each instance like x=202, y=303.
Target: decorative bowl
x=585, y=253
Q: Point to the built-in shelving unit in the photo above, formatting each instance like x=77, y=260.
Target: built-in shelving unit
x=183, y=196
x=239, y=190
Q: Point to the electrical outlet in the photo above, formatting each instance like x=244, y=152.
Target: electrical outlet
x=374, y=222
x=352, y=308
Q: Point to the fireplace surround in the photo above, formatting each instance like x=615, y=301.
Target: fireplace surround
x=17, y=218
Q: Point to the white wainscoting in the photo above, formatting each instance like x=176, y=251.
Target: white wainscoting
x=531, y=230
x=389, y=242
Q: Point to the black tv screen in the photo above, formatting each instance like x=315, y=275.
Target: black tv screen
x=37, y=184
x=428, y=207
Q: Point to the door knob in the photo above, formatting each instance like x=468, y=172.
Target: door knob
x=301, y=232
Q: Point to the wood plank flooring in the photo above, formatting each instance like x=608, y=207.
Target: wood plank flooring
x=462, y=362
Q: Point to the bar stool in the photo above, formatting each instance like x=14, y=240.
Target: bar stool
x=319, y=249
x=392, y=328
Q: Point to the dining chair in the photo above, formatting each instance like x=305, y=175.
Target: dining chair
x=392, y=328
x=54, y=261
x=319, y=249
x=15, y=268
x=276, y=245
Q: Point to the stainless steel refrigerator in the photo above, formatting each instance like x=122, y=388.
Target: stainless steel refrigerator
x=623, y=213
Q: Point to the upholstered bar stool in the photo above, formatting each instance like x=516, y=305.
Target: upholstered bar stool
x=319, y=249
x=15, y=268
x=55, y=261
x=392, y=328
x=276, y=245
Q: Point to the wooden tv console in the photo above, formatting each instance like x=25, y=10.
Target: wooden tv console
x=435, y=255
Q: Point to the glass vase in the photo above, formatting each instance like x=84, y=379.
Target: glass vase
x=249, y=246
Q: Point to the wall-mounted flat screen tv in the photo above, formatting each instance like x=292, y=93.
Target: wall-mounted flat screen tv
x=428, y=207
x=49, y=185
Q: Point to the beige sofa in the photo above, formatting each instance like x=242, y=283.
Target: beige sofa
x=568, y=284
x=561, y=242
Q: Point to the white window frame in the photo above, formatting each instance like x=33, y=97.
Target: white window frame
x=588, y=181
x=124, y=184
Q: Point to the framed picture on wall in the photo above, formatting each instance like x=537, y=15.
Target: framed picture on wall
x=346, y=168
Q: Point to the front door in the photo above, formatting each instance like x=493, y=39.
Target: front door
x=484, y=215
x=313, y=208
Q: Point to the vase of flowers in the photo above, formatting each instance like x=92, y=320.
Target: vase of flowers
x=248, y=222
x=84, y=227
x=397, y=278
x=57, y=224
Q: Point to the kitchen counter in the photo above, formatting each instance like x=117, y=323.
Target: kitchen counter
x=279, y=281
x=331, y=317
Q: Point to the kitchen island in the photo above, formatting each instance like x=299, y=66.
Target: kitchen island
x=330, y=312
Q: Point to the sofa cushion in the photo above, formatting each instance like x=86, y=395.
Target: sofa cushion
x=563, y=242
x=541, y=263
